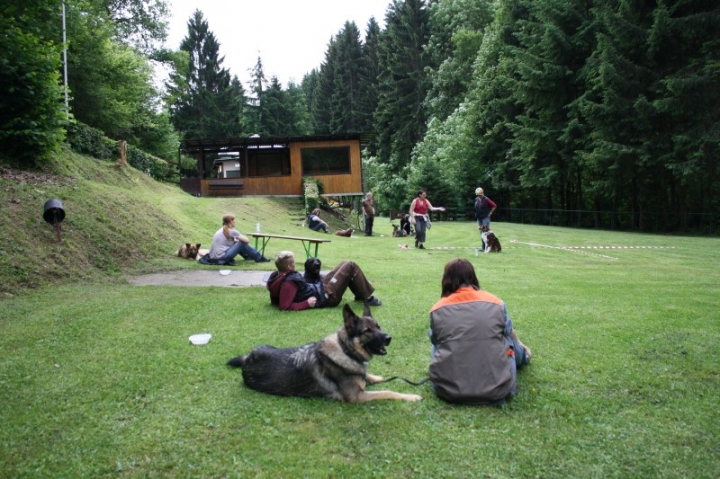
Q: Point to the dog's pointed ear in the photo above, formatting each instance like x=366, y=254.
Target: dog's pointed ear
x=350, y=318
x=187, y=245
x=198, y=245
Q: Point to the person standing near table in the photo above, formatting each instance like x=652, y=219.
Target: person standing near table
x=368, y=206
x=484, y=208
x=419, y=209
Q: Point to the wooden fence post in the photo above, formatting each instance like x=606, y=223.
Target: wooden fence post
x=122, y=149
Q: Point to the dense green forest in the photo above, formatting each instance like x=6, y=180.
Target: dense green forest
x=606, y=111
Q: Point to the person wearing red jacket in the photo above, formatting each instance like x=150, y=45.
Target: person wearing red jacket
x=291, y=291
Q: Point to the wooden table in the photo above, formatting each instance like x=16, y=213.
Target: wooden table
x=306, y=242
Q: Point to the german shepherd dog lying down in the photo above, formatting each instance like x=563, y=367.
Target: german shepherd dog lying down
x=334, y=367
x=492, y=243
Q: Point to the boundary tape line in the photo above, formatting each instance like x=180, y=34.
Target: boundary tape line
x=617, y=247
x=572, y=249
x=565, y=249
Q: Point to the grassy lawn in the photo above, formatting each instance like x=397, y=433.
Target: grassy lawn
x=100, y=380
x=97, y=377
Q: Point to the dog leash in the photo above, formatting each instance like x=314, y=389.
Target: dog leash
x=406, y=380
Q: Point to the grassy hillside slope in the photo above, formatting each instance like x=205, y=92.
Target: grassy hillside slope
x=117, y=220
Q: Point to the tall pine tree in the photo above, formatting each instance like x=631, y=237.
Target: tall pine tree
x=321, y=107
x=346, y=81
x=206, y=101
x=369, y=73
x=400, y=116
x=554, y=42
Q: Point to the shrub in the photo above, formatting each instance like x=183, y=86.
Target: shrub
x=312, y=191
x=156, y=167
x=92, y=142
x=32, y=113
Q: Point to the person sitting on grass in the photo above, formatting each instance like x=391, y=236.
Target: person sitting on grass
x=228, y=243
x=406, y=225
x=316, y=223
x=475, y=350
x=290, y=291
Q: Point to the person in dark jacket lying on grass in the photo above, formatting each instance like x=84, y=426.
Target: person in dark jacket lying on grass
x=291, y=291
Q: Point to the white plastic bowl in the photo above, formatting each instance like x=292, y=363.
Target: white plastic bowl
x=225, y=272
x=198, y=339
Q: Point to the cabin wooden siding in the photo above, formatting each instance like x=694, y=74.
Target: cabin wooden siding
x=291, y=185
x=349, y=183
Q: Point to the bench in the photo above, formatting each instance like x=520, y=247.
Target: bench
x=225, y=186
x=306, y=242
x=397, y=214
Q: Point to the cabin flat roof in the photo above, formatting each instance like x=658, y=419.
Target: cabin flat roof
x=225, y=144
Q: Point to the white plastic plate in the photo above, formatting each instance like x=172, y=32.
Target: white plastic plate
x=198, y=339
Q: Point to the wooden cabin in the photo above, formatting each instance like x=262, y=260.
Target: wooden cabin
x=275, y=166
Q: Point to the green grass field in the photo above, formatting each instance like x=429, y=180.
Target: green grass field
x=97, y=377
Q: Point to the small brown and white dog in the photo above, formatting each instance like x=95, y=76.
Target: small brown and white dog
x=189, y=251
x=492, y=243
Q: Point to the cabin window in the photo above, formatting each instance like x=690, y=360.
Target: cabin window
x=268, y=162
x=325, y=161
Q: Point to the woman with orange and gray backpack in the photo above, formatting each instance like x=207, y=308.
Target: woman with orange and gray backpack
x=476, y=352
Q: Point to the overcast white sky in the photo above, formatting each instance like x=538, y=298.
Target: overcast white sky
x=290, y=36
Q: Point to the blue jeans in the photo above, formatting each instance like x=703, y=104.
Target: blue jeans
x=243, y=249
x=420, y=228
x=521, y=359
x=319, y=227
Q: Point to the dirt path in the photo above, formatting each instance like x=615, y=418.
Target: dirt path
x=236, y=279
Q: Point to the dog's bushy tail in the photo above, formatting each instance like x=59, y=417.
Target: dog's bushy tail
x=237, y=362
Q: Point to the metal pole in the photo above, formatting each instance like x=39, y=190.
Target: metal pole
x=67, y=102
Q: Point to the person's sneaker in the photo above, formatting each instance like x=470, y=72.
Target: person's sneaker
x=416, y=243
x=421, y=246
x=373, y=301
x=263, y=260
